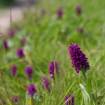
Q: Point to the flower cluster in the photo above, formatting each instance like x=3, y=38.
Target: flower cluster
x=13, y=69
x=78, y=58
x=5, y=44
x=28, y=71
x=45, y=83
x=15, y=98
x=59, y=12
x=53, y=67
x=11, y=32
x=31, y=89
x=20, y=53
x=69, y=99
x=3, y=101
x=22, y=41
x=78, y=9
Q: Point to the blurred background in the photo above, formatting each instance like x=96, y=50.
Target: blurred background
x=12, y=10
x=7, y=3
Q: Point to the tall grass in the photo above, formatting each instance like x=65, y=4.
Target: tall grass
x=47, y=39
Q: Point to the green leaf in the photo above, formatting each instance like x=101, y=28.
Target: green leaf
x=85, y=95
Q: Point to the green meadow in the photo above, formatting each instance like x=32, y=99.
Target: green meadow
x=47, y=38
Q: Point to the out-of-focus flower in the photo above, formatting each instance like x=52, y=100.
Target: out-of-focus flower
x=69, y=99
x=20, y=53
x=3, y=101
x=22, y=41
x=59, y=12
x=13, y=30
x=28, y=71
x=25, y=86
x=31, y=89
x=45, y=83
x=11, y=33
x=78, y=9
x=78, y=58
x=13, y=69
x=15, y=98
x=42, y=11
x=5, y=44
x=53, y=66
x=79, y=29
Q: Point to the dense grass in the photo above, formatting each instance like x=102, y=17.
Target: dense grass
x=47, y=40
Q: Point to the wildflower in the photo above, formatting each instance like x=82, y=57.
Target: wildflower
x=31, y=89
x=24, y=85
x=78, y=9
x=28, y=71
x=13, y=30
x=13, y=69
x=42, y=11
x=11, y=33
x=53, y=66
x=59, y=12
x=22, y=41
x=69, y=99
x=3, y=101
x=20, y=53
x=15, y=98
x=79, y=29
x=45, y=82
x=5, y=44
x=78, y=58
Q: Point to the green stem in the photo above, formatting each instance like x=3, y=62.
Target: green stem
x=85, y=78
x=84, y=75
x=32, y=101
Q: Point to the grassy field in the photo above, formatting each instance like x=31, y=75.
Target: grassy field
x=47, y=38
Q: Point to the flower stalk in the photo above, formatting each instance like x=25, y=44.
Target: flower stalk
x=84, y=75
x=32, y=101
